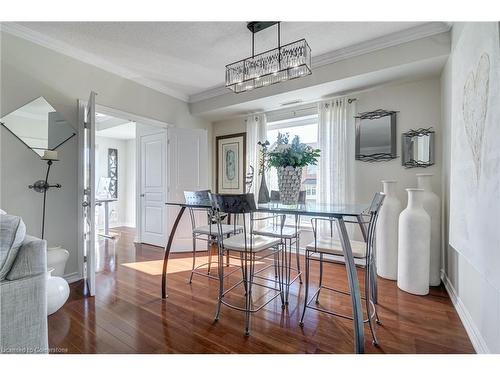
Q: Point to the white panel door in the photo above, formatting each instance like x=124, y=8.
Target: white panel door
x=187, y=169
x=153, y=188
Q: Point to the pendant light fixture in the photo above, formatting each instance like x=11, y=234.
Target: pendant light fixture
x=279, y=64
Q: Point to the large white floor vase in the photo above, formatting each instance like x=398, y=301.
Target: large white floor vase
x=57, y=292
x=387, y=233
x=432, y=204
x=414, y=239
x=56, y=259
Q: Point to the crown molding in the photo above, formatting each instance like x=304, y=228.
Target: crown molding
x=88, y=58
x=390, y=40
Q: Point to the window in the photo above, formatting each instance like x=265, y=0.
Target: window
x=306, y=127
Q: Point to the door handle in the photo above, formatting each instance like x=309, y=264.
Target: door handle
x=143, y=195
x=85, y=204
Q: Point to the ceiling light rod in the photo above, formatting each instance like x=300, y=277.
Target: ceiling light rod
x=256, y=26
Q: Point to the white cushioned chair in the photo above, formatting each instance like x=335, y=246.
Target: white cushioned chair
x=251, y=248
x=209, y=232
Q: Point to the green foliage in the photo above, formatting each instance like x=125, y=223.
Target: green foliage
x=284, y=154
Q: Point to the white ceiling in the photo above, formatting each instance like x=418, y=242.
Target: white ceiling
x=186, y=58
x=114, y=127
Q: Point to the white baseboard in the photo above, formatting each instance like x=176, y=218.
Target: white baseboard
x=73, y=277
x=472, y=330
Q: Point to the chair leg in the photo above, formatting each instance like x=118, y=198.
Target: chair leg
x=221, y=284
x=373, y=274
x=209, y=250
x=306, y=290
x=297, y=256
x=248, y=299
x=280, y=281
x=243, y=273
x=367, y=300
x=320, y=276
x=194, y=260
x=374, y=290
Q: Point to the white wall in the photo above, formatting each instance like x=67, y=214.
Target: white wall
x=119, y=210
x=419, y=106
x=476, y=299
x=130, y=181
x=29, y=71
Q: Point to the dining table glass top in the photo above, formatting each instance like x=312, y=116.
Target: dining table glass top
x=307, y=209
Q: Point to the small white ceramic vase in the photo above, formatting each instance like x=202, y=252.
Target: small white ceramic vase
x=56, y=259
x=432, y=204
x=57, y=292
x=387, y=233
x=414, y=239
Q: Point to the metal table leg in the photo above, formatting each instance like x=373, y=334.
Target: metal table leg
x=168, y=246
x=359, y=336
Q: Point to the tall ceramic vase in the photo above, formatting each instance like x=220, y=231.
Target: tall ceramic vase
x=432, y=205
x=387, y=233
x=289, y=180
x=414, y=239
x=263, y=191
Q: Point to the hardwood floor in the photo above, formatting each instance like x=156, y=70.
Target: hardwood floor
x=127, y=315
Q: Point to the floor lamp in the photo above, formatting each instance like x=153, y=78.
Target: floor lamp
x=41, y=186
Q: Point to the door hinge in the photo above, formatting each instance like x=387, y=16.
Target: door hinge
x=84, y=258
x=168, y=141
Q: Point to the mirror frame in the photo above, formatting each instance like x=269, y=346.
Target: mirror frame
x=24, y=143
x=406, y=142
x=372, y=115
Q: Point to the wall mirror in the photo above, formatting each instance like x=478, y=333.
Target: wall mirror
x=376, y=135
x=39, y=126
x=418, y=148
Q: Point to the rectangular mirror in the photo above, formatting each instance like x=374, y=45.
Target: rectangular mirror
x=376, y=135
x=418, y=148
x=39, y=126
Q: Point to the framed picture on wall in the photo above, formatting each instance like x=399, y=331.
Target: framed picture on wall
x=231, y=163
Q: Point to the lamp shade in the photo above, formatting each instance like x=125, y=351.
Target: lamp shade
x=50, y=155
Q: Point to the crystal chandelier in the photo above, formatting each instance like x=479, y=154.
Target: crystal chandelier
x=280, y=64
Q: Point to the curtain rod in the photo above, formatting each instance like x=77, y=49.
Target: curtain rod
x=291, y=109
x=312, y=106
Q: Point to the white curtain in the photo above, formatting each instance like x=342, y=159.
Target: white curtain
x=256, y=132
x=336, y=141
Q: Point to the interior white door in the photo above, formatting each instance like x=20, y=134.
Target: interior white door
x=87, y=192
x=153, y=188
x=187, y=169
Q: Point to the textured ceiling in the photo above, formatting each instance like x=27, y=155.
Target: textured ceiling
x=189, y=57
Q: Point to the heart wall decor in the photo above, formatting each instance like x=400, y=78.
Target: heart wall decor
x=475, y=108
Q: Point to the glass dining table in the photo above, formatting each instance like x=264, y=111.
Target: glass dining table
x=339, y=213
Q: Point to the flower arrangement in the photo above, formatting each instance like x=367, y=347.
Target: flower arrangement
x=294, y=154
x=288, y=159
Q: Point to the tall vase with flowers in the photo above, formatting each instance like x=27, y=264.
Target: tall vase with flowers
x=289, y=158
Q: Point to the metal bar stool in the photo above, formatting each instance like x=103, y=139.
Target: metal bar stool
x=290, y=236
x=329, y=246
x=209, y=232
x=251, y=249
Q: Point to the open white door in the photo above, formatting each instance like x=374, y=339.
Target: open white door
x=187, y=169
x=153, y=188
x=87, y=190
